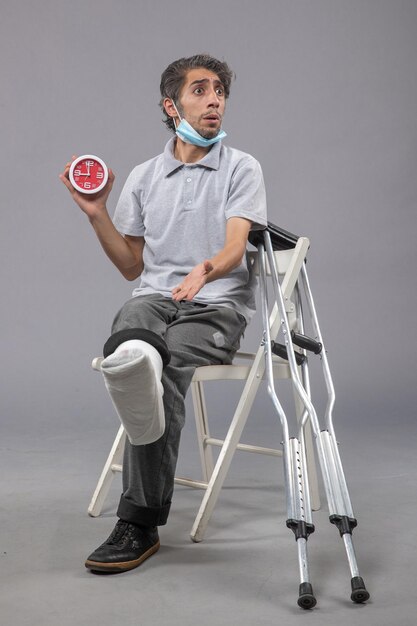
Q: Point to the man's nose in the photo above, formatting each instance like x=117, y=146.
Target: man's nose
x=214, y=99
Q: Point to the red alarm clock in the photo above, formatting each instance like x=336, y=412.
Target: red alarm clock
x=88, y=174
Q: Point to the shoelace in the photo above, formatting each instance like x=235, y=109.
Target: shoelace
x=118, y=532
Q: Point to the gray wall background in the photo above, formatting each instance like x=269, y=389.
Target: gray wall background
x=325, y=99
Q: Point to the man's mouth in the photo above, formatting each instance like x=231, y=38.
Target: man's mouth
x=212, y=117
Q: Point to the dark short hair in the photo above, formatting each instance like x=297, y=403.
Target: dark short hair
x=172, y=78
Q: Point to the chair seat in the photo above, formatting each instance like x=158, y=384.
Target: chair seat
x=237, y=371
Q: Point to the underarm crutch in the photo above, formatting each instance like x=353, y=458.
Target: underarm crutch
x=295, y=468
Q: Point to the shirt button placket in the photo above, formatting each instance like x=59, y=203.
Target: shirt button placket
x=188, y=196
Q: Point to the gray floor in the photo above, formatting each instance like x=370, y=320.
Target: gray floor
x=245, y=572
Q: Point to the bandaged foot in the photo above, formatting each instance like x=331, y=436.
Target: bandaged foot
x=132, y=374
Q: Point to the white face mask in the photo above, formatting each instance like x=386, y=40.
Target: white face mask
x=187, y=133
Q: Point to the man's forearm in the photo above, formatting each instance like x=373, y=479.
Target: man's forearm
x=229, y=257
x=116, y=247
x=210, y=269
x=226, y=260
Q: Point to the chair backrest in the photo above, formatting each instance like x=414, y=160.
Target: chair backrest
x=289, y=263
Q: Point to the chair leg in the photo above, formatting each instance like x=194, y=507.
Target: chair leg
x=200, y=413
x=112, y=465
x=228, y=449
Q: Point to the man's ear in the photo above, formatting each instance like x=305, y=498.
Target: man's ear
x=170, y=108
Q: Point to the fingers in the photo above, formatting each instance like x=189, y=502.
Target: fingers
x=110, y=180
x=68, y=165
x=193, y=282
x=66, y=181
x=178, y=293
x=65, y=174
x=185, y=292
x=184, y=295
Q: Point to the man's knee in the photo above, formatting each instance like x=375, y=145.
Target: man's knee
x=116, y=339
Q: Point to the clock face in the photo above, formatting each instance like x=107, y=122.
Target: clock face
x=88, y=174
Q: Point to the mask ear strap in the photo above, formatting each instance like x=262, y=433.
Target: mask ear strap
x=174, y=105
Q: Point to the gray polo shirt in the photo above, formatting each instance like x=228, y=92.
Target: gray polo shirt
x=181, y=210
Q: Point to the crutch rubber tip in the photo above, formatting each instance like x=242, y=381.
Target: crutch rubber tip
x=359, y=593
x=306, y=599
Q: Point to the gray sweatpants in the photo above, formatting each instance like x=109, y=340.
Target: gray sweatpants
x=196, y=334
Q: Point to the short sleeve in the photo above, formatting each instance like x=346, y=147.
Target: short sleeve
x=128, y=218
x=247, y=197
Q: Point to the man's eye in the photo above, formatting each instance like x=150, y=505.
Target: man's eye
x=198, y=90
x=220, y=91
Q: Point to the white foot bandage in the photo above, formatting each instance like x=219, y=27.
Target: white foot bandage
x=133, y=379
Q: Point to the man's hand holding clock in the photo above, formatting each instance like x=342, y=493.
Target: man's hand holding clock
x=89, y=181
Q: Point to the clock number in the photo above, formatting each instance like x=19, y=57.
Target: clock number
x=87, y=185
x=100, y=175
x=77, y=172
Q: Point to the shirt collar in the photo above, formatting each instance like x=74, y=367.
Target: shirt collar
x=211, y=160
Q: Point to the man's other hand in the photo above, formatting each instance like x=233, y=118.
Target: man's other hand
x=193, y=282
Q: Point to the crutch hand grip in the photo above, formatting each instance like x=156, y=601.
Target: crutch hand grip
x=302, y=341
x=280, y=350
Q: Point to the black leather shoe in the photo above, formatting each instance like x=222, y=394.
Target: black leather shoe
x=126, y=548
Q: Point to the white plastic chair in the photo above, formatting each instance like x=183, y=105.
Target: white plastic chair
x=289, y=263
